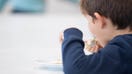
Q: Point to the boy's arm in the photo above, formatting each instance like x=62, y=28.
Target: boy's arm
x=76, y=62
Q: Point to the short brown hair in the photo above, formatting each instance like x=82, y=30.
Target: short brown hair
x=118, y=11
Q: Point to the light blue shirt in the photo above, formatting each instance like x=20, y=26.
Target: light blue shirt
x=28, y=5
x=74, y=1
x=2, y=3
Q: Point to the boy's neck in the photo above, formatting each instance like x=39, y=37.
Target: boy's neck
x=122, y=32
x=115, y=33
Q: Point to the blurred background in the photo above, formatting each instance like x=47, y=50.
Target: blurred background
x=29, y=33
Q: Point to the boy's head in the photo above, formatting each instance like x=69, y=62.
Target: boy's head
x=106, y=17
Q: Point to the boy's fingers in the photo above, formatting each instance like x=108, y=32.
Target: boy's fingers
x=61, y=37
x=94, y=49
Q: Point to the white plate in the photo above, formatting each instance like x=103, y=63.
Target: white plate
x=51, y=65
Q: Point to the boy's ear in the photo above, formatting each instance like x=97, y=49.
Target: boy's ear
x=100, y=20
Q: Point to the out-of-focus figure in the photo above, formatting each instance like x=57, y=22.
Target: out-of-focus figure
x=28, y=5
x=2, y=3
x=75, y=1
x=25, y=6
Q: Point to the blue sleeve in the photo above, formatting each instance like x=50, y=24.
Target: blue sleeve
x=75, y=61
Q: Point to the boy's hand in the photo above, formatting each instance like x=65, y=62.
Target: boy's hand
x=61, y=37
x=92, y=46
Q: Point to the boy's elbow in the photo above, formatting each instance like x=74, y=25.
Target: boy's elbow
x=70, y=70
x=73, y=67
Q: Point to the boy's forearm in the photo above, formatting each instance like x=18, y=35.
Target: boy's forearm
x=72, y=49
x=76, y=62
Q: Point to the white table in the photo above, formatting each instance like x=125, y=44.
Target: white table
x=26, y=39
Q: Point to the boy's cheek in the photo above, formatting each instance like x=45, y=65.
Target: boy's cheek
x=92, y=29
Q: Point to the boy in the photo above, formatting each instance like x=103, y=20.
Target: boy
x=111, y=23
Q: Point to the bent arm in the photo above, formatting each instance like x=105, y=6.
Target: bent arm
x=76, y=62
